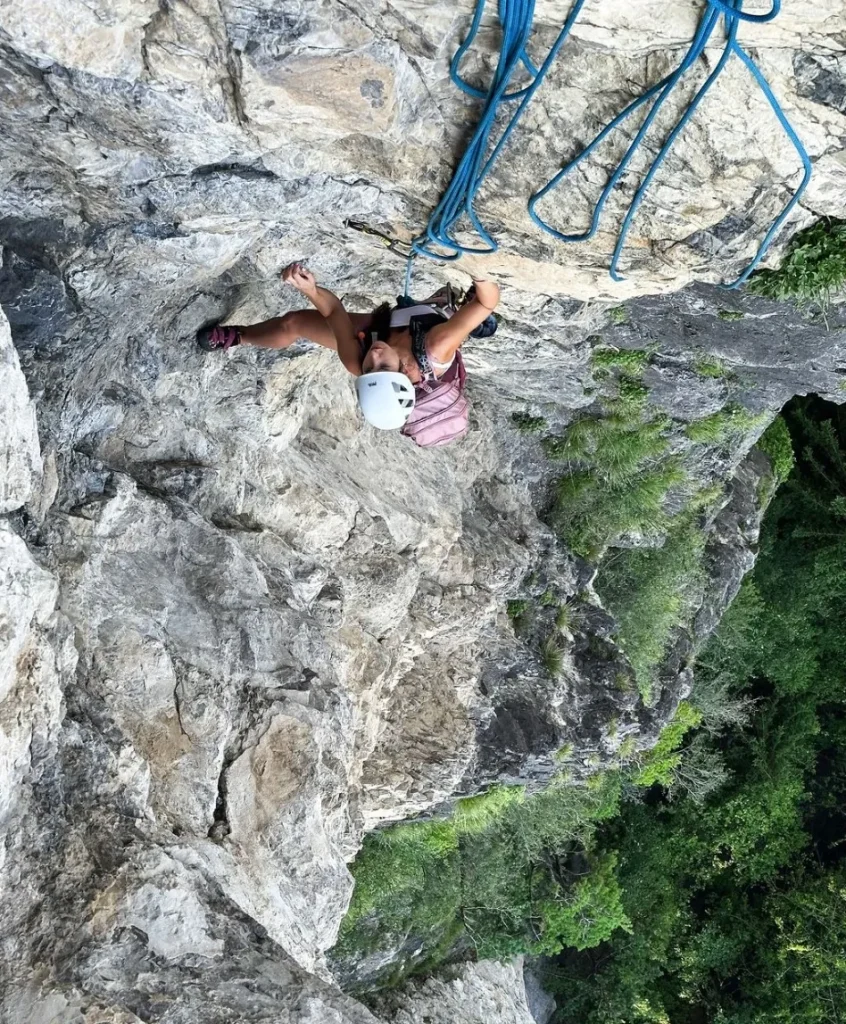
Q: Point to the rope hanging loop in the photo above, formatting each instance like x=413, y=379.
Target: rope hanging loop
x=516, y=18
x=732, y=14
x=438, y=241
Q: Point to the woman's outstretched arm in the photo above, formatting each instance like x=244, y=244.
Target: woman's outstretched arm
x=445, y=339
x=331, y=308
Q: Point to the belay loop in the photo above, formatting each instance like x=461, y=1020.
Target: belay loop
x=516, y=19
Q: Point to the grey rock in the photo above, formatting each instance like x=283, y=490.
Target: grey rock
x=770, y=351
x=540, y=1002
x=163, y=943
x=730, y=553
x=473, y=993
x=20, y=455
x=240, y=629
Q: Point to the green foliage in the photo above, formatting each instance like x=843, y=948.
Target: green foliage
x=813, y=270
x=474, y=814
x=552, y=655
x=564, y=617
x=775, y=443
x=522, y=613
x=588, y=914
x=622, y=486
x=619, y=465
x=484, y=878
x=618, y=315
x=528, y=424
x=734, y=879
x=590, y=511
x=410, y=871
x=709, y=367
x=808, y=951
x=732, y=421
x=632, y=393
x=630, y=361
x=706, y=498
x=616, y=444
x=730, y=315
x=649, y=591
x=659, y=764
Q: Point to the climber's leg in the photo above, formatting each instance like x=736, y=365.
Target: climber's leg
x=282, y=331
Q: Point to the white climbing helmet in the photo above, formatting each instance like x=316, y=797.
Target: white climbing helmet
x=386, y=399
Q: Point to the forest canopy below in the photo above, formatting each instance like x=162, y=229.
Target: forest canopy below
x=703, y=881
x=736, y=896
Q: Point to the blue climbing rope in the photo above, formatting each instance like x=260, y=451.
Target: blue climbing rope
x=516, y=18
x=731, y=11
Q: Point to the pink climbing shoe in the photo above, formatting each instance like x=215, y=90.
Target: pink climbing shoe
x=218, y=338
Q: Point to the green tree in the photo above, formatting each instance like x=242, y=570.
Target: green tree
x=736, y=899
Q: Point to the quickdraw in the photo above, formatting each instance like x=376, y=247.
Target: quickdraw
x=394, y=245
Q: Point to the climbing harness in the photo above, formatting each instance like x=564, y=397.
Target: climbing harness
x=733, y=14
x=516, y=17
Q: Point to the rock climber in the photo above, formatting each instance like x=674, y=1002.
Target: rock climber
x=391, y=351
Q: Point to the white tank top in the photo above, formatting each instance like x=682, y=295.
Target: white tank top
x=402, y=318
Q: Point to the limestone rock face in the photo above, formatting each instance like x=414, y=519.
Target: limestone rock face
x=211, y=137
x=238, y=629
x=474, y=994
x=20, y=456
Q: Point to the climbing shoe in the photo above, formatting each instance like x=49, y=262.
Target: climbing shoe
x=218, y=337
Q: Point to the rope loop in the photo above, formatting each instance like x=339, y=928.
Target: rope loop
x=516, y=18
x=735, y=12
x=731, y=11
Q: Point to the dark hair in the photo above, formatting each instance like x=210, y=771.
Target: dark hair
x=380, y=325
